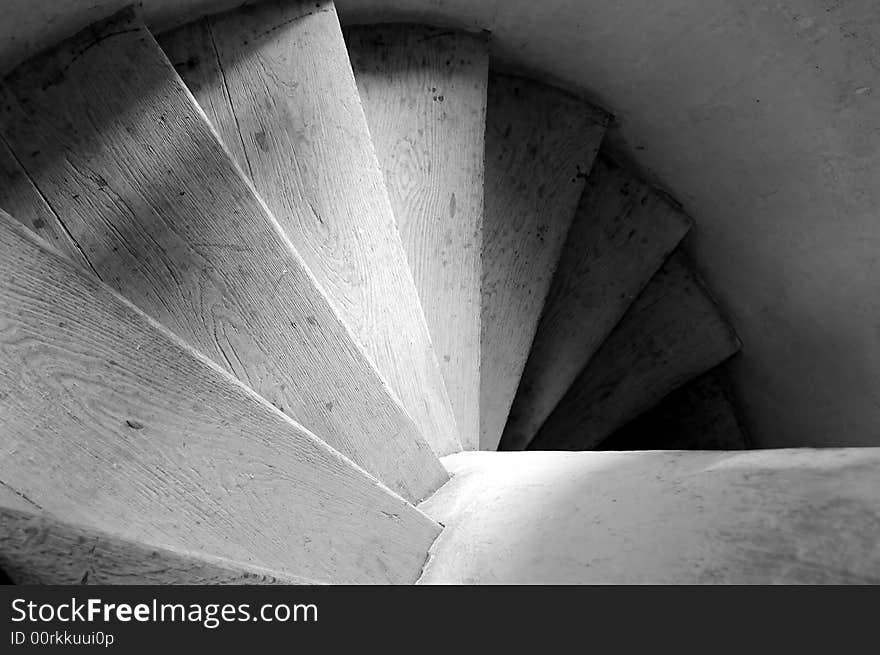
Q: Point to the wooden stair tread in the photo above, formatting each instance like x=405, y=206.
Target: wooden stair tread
x=36, y=548
x=277, y=80
x=424, y=94
x=19, y=197
x=540, y=146
x=621, y=235
x=115, y=142
x=698, y=416
x=113, y=422
x=671, y=333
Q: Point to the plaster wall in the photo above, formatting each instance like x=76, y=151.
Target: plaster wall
x=762, y=118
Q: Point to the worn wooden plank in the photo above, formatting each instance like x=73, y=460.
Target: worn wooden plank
x=622, y=233
x=540, y=145
x=285, y=96
x=37, y=548
x=424, y=94
x=698, y=416
x=19, y=197
x=113, y=422
x=671, y=333
x=115, y=142
x=193, y=53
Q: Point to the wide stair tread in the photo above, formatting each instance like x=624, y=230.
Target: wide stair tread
x=540, y=146
x=276, y=82
x=424, y=94
x=672, y=333
x=138, y=179
x=19, y=197
x=622, y=233
x=799, y=516
x=113, y=422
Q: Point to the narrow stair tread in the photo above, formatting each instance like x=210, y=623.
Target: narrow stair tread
x=20, y=198
x=540, y=146
x=424, y=94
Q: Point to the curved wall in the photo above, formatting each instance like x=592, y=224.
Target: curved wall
x=762, y=118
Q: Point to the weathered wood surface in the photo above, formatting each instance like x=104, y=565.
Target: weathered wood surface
x=622, y=233
x=698, y=416
x=540, y=146
x=799, y=516
x=277, y=80
x=37, y=548
x=193, y=53
x=424, y=94
x=113, y=422
x=20, y=198
x=672, y=333
x=115, y=143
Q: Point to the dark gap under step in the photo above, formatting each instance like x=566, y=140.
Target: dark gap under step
x=698, y=416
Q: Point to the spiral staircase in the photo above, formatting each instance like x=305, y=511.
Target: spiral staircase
x=273, y=292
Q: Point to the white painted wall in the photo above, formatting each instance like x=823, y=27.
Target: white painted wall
x=762, y=117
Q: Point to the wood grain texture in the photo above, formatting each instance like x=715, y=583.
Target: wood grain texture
x=424, y=94
x=698, y=416
x=622, y=233
x=117, y=145
x=20, y=198
x=113, y=422
x=540, y=146
x=286, y=97
x=36, y=548
x=671, y=333
x=193, y=53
